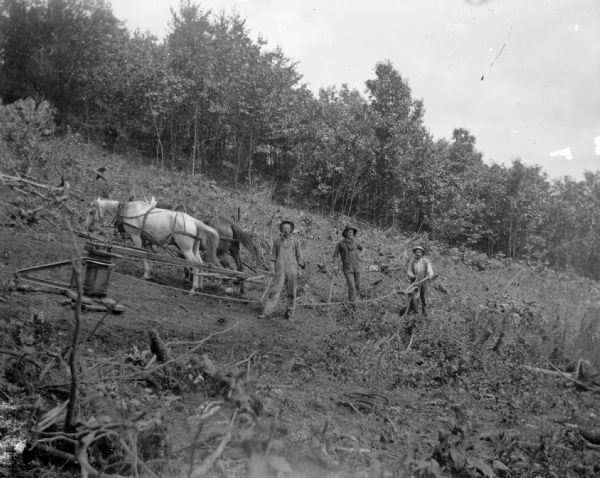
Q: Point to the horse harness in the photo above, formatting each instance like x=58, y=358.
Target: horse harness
x=222, y=238
x=147, y=238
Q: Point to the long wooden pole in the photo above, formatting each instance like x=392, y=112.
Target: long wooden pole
x=330, y=288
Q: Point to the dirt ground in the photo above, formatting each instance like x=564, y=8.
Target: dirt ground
x=276, y=345
x=337, y=392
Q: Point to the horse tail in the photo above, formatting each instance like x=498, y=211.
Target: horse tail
x=210, y=240
x=246, y=240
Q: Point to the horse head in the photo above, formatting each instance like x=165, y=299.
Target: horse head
x=93, y=214
x=99, y=210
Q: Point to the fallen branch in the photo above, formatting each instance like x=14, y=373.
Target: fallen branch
x=55, y=453
x=410, y=342
x=23, y=356
x=498, y=343
x=6, y=177
x=97, y=326
x=87, y=470
x=146, y=372
x=545, y=371
x=573, y=377
x=592, y=446
x=576, y=377
x=185, y=308
x=99, y=305
x=226, y=377
x=209, y=461
x=591, y=436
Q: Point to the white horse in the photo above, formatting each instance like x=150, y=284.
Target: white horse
x=145, y=223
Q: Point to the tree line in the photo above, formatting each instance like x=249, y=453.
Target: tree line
x=208, y=98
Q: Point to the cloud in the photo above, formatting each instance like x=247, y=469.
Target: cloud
x=597, y=148
x=292, y=30
x=565, y=152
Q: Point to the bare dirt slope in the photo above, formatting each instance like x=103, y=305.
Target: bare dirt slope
x=337, y=392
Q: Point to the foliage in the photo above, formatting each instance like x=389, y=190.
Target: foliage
x=23, y=126
x=211, y=99
x=456, y=402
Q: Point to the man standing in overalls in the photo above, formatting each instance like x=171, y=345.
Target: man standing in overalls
x=285, y=260
x=348, y=249
x=419, y=271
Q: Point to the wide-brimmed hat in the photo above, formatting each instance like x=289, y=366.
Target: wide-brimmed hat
x=349, y=228
x=418, y=248
x=286, y=221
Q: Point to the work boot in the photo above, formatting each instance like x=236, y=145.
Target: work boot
x=289, y=315
x=424, y=309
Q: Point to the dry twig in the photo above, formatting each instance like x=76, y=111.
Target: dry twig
x=209, y=461
x=73, y=359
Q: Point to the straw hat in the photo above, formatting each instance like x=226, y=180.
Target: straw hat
x=286, y=221
x=349, y=228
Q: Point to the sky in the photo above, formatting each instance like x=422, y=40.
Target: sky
x=522, y=76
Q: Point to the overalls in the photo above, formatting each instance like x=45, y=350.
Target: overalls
x=420, y=269
x=287, y=257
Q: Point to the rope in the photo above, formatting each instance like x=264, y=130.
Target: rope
x=254, y=301
x=246, y=301
x=361, y=301
x=178, y=289
x=249, y=301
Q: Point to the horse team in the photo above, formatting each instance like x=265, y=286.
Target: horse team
x=148, y=225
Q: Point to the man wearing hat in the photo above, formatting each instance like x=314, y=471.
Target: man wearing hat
x=285, y=260
x=348, y=249
x=419, y=269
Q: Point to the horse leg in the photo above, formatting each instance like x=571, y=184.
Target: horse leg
x=187, y=271
x=188, y=254
x=198, y=281
x=137, y=241
x=234, y=250
x=239, y=267
x=226, y=262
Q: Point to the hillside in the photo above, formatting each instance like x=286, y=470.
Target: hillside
x=338, y=392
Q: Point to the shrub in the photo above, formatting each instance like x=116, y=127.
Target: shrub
x=23, y=125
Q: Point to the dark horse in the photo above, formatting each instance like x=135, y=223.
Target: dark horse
x=231, y=238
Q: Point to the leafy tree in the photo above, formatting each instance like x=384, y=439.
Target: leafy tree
x=398, y=126
x=341, y=150
x=211, y=97
x=50, y=47
x=573, y=224
x=236, y=89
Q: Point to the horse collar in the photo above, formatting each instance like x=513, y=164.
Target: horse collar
x=145, y=218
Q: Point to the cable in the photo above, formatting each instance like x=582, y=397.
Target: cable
x=253, y=301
